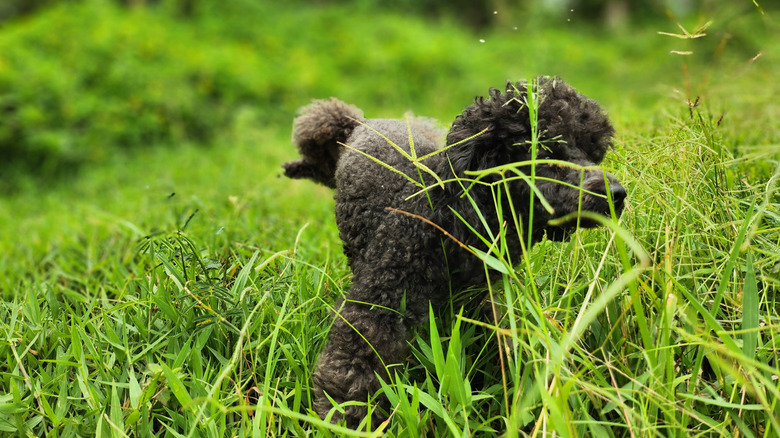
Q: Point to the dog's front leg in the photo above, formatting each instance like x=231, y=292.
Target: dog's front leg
x=364, y=340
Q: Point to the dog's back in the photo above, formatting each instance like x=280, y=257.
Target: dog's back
x=377, y=170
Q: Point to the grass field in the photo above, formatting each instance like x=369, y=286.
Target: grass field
x=172, y=284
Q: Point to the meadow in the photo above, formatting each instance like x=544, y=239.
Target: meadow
x=160, y=278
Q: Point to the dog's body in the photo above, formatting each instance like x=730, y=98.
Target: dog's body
x=404, y=232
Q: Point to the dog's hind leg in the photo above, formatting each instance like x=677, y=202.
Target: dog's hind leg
x=364, y=340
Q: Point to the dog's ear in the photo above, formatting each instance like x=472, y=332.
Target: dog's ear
x=490, y=132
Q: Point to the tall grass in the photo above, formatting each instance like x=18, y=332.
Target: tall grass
x=664, y=324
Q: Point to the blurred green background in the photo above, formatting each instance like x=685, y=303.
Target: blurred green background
x=85, y=82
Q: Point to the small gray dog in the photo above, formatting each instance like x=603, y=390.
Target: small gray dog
x=385, y=218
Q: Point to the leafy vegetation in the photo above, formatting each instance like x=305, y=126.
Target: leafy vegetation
x=66, y=102
x=175, y=286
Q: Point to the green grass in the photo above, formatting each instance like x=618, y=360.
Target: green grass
x=186, y=291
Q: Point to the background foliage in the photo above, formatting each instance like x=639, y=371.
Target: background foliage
x=66, y=101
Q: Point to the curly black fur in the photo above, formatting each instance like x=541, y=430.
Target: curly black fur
x=396, y=256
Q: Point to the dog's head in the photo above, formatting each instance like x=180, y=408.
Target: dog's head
x=569, y=127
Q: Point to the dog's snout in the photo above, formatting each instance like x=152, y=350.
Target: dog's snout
x=618, y=192
x=606, y=184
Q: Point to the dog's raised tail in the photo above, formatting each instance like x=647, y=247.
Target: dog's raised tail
x=318, y=133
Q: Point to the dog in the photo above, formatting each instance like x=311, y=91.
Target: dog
x=412, y=206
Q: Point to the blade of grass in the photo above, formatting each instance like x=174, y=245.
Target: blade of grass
x=750, y=311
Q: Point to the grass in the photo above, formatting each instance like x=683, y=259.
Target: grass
x=187, y=291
